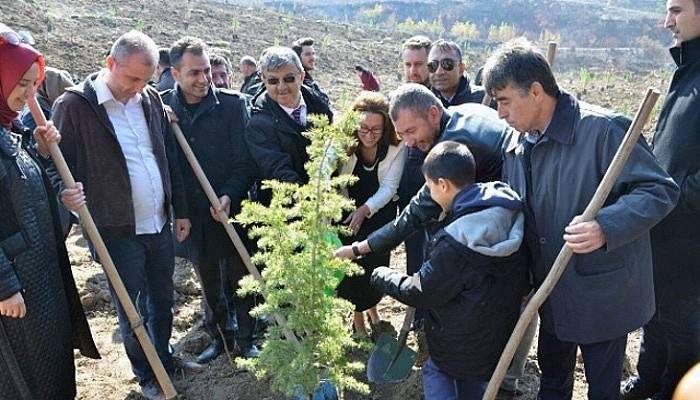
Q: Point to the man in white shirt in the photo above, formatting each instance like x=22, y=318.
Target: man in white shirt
x=117, y=144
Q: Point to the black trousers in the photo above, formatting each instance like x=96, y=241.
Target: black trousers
x=670, y=346
x=219, y=278
x=602, y=364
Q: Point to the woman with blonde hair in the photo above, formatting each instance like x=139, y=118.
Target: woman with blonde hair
x=377, y=161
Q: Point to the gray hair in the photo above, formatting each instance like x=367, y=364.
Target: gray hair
x=248, y=60
x=134, y=42
x=448, y=45
x=414, y=97
x=277, y=57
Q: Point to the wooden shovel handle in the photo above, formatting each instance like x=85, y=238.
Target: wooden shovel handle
x=280, y=320
x=88, y=224
x=562, y=260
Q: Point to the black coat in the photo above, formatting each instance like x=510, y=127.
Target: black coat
x=275, y=139
x=676, y=145
x=466, y=93
x=215, y=132
x=252, y=84
x=34, y=261
x=472, y=283
x=474, y=125
x=315, y=89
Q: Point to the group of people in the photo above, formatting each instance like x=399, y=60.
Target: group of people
x=483, y=198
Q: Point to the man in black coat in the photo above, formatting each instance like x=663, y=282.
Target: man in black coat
x=671, y=340
x=213, y=121
x=304, y=48
x=251, y=76
x=280, y=114
x=448, y=78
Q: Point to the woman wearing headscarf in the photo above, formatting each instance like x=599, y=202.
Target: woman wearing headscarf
x=377, y=161
x=41, y=318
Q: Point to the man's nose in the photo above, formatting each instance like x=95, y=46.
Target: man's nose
x=669, y=21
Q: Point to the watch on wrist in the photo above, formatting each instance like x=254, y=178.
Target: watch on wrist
x=356, y=250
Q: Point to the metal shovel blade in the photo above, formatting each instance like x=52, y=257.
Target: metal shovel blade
x=390, y=361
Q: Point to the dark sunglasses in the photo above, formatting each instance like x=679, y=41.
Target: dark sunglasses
x=286, y=79
x=447, y=64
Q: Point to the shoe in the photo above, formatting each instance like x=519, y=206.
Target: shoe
x=184, y=368
x=151, y=390
x=251, y=351
x=634, y=390
x=213, y=351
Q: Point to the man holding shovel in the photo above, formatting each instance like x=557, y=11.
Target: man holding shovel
x=213, y=121
x=555, y=161
x=117, y=144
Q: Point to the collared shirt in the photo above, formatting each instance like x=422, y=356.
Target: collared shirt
x=131, y=129
x=302, y=105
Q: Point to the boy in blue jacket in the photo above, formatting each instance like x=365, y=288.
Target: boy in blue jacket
x=473, y=281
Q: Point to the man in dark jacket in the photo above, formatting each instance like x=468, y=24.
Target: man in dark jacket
x=251, y=76
x=473, y=280
x=422, y=122
x=448, y=76
x=671, y=340
x=213, y=121
x=117, y=144
x=304, y=48
x=164, y=71
x=280, y=114
x=556, y=165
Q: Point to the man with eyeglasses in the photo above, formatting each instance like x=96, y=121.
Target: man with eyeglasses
x=304, y=48
x=448, y=78
x=279, y=115
x=213, y=121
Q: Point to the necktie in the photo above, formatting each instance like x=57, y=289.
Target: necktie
x=296, y=114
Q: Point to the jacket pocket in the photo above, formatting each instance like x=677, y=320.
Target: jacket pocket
x=597, y=262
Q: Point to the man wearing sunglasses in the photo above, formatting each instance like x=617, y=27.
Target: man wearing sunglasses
x=279, y=115
x=448, y=79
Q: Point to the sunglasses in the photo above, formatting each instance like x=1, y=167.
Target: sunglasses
x=447, y=64
x=286, y=79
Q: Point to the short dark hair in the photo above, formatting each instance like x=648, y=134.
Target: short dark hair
x=520, y=64
x=187, y=44
x=217, y=60
x=298, y=44
x=452, y=161
x=164, y=57
x=448, y=45
x=418, y=42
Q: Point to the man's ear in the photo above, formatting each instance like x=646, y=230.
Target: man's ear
x=176, y=73
x=536, y=90
x=462, y=68
x=434, y=115
x=111, y=62
x=443, y=184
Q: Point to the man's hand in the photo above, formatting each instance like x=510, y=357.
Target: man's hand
x=584, y=237
x=45, y=136
x=171, y=114
x=182, y=229
x=225, y=207
x=13, y=306
x=346, y=253
x=356, y=218
x=73, y=198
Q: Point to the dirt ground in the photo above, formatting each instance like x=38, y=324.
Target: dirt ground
x=111, y=378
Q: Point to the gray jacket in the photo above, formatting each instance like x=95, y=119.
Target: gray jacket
x=609, y=292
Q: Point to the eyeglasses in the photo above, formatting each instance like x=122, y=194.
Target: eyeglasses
x=375, y=131
x=286, y=79
x=447, y=64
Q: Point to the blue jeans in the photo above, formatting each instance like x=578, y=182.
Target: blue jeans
x=145, y=264
x=437, y=385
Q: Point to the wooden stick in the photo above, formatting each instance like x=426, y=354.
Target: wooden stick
x=562, y=260
x=135, y=321
x=230, y=230
x=551, y=53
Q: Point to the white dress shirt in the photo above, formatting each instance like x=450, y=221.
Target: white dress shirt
x=302, y=115
x=131, y=128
